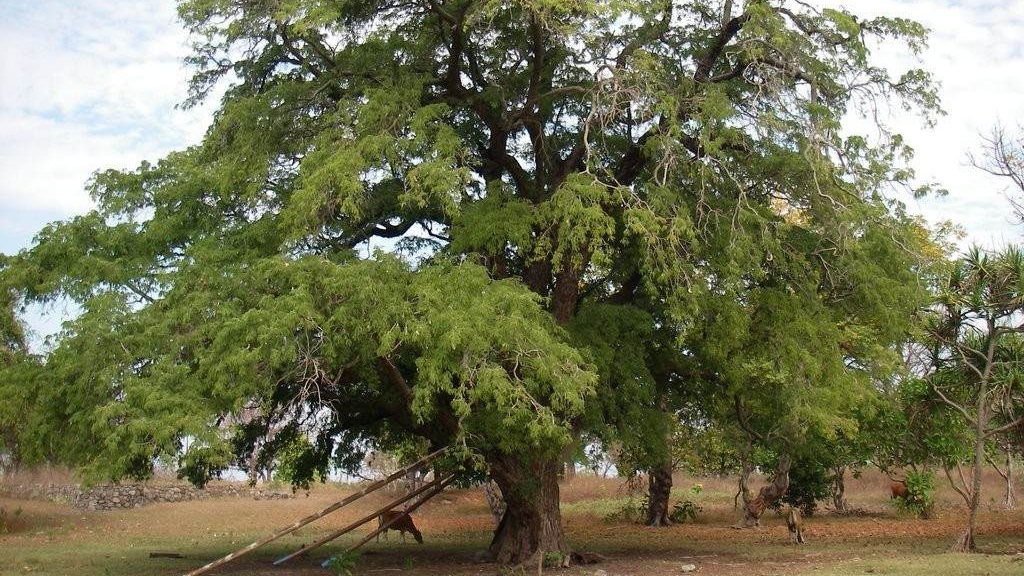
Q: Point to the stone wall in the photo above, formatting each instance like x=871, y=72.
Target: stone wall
x=115, y=496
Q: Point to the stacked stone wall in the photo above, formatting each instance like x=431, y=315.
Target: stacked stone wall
x=117, y=496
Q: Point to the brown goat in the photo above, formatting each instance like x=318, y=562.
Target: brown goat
x=795, y=522
x=398, y=520
x=898, y=488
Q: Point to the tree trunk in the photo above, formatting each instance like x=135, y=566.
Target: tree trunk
x=839, y=488
x=569, y=461
x=531, y=527
x=659, y=480
x=494, y=501
x=569, y=470
x=776, y=489
x=966, y=541
x=1010, y=501
x=746, y=469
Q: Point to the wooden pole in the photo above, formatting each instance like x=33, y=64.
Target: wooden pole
x=317, y=515
x=305, y=549
x=437, y=490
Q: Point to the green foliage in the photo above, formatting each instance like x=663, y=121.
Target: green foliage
x=12, y=334
x=633, y=510
x=920, y=499
x=973, y=354
x=704, y=449
x=810, y=481
x=200, y=464
x=298, y=465
x=685, y=510
x=18, y=372
x=555, y=559
x=343, y=563
x=326, y=313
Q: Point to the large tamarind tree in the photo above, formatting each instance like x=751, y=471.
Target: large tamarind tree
x=488, y=224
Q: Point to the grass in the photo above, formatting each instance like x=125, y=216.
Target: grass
x=51, y=539
x=601, y=508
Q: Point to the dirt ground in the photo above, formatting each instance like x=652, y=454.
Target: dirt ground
x=50, y=538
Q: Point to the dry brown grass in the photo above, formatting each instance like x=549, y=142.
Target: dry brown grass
x=55, y=539
x=38, y=475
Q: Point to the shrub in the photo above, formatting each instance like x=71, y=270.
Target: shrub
x=344, y=563
x=685, y=510
x=920, y=498
x=809, y=482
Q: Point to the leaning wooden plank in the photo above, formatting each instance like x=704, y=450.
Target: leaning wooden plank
x=357, y=523
x=444, y=484
x=317, y=515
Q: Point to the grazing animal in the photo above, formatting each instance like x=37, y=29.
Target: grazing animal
x=795, y=522
x=898, y=488
x=398, y=521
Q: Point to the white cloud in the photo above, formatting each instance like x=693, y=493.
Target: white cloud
x=976, y=52
x=87, y=85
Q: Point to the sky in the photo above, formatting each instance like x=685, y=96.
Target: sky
x=95, y=84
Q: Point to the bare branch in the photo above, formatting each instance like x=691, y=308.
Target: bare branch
x=953, y=485
x=1004, y=428
x=955, y=406
x=996, y=466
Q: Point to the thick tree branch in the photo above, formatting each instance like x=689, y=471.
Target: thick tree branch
x=729, y=31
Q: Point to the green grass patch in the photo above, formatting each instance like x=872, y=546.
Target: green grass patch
x=601, y=507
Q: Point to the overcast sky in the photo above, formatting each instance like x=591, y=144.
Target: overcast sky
x=90, y=84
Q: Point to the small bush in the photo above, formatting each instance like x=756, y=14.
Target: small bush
x=920, y=498
x=685, y=510
x=554, y=559
x=809, y=482
x=632, y=510
x=344, y=563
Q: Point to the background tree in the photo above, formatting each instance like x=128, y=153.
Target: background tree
x=977, y=355
x=799, y=351
x=19, y=369
x=659, y=166
x=1003, y=155
x=12, y=351
x=1001, y=453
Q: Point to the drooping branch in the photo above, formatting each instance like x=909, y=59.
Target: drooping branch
x=961, y=491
